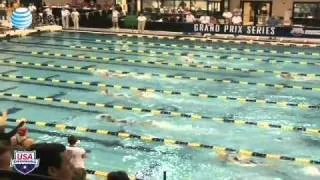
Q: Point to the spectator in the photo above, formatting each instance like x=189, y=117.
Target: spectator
x=236, y=20
x=3, y=13
x=54, y=161
x=75, y=18
x=118, y=175
x=115, y=19
x=5, y=157
x=190, y=17
x=16, y=5
x=227, y=16
x=5, y=137
x=65, y=13
x=78, y=156
x=205, y=19
x=141, y=23
x=33, y=9
x=5, y=144
x=49, y=19
x=21, y=139
x=273, y=22
x=9, y=12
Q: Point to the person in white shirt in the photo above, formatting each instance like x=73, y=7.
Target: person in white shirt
x=204, y=19
x=115, y=19
x=236, y=20
x=190, y=18
x=3, y=13
x=227, y=16
x=141, y=22
x=32, y=8
x=78, y=156
x=49, y=16
x=75, y=18
x=65, y=13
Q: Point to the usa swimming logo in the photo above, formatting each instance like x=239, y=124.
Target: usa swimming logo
x=25, y=161
x=21, y=18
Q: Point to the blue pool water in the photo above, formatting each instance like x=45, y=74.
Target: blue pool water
x=112, y=153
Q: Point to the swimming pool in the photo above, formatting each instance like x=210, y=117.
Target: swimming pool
x=224, y=95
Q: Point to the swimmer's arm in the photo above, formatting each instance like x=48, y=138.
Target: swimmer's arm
x=146, y=123
x=12, y=132
x=223, y=156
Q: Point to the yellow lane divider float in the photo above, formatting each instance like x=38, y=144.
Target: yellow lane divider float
x=203, y=47
x=83, y=104
x=86, y=69
x=169, y=64
x=213, y=40
x=166, y=53
x=195, y=145
x=187, y=54
x=71, y=84
x=206, y=48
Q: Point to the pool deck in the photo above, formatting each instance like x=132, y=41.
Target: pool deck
x=15, y=33
x=197, y=36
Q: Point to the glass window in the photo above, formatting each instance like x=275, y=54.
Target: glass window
x=199, y=5
x=150, y=5
x=256, y=13
x=168, y=6
x=226, y=5
x=217, y=7
x=183, y=4
x=306, y=10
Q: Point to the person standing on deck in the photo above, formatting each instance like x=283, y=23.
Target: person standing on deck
x=65, y=17
x=141, y=23
x=115, y=19
x=75, y=18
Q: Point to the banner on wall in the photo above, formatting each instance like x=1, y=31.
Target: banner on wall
x=235, y=29
x=254, y=30
x=305, y=32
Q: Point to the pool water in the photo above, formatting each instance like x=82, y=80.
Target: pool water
x=109, y=153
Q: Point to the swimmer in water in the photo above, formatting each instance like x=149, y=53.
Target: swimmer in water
x=146, y=94
x=188, y=59
x=289, y=76
x=109, y=118
x=106, y=74
x=105, y=91
x=237, y=159
x=144, y=76
x=311, y=171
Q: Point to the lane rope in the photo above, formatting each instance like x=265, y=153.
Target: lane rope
x=194, y=145
x=186, y=46
x=183, y=54
x=169, y=64
x=186, y=54
x=88, y=70
x=202, y=47
x=215, y=40
x=193, y=116
x=162, y=91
